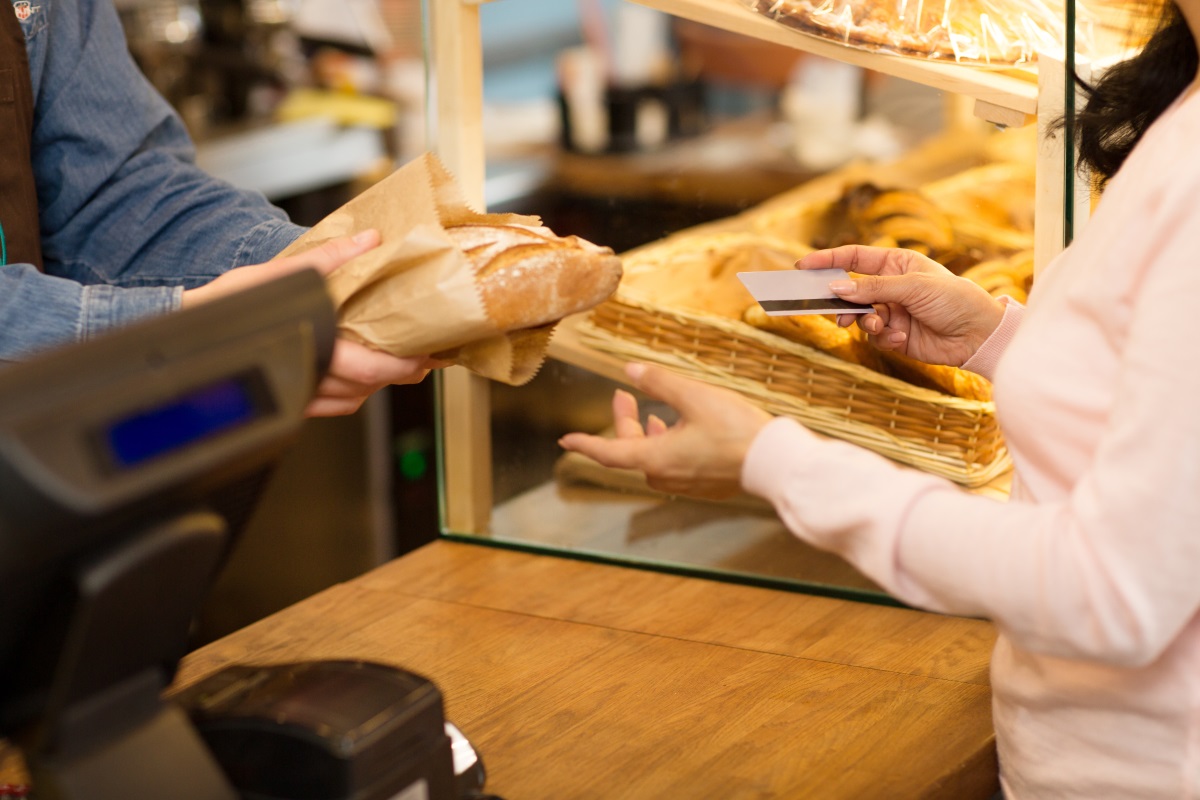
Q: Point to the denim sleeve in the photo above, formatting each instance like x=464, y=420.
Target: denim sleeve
x=127, y=219
x=41, y=311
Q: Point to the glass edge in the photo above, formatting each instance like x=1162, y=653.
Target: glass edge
x=1069, y=148
x=439, y=438
x=683, y=570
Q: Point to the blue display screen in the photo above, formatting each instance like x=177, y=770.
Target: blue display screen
x=183, y=421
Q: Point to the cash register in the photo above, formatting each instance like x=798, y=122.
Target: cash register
x=128, y=464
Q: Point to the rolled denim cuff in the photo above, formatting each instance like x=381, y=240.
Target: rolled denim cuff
x=108, y=307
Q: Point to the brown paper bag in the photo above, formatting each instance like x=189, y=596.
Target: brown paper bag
x=416, y=293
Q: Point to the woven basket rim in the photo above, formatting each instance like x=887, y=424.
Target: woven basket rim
x=913, y=452
x=776, y=343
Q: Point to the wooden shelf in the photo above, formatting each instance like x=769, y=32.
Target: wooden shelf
x=1014, y=89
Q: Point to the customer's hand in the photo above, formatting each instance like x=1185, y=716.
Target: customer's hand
x=356, y=371
x=700, y=455
x=922, y=309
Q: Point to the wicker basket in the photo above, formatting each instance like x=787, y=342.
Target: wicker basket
x=677, y=306
x=948, y=436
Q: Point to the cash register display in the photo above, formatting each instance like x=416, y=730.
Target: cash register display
x=206, y=412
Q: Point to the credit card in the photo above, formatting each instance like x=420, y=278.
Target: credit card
x=791, y=292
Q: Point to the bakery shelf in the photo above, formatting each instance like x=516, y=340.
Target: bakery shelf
x=1015, y=90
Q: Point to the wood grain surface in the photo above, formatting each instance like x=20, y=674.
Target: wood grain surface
x=581, y=680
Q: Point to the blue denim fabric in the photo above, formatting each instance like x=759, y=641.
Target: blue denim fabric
x=127, y=219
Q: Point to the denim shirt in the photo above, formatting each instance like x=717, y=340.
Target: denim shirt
x=127, y=219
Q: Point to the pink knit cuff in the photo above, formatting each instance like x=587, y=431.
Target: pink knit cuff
x=988, y=355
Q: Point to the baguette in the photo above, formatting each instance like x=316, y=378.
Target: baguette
x=529, y=277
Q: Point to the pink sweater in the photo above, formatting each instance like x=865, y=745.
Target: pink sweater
x=1091, y=571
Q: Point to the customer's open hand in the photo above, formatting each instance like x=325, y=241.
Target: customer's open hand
x=921, y=308
x=356, y=371
x=700, y=455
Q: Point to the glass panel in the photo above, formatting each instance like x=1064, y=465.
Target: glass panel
x=1069, y=105
x=695, y=152
x=546, y=500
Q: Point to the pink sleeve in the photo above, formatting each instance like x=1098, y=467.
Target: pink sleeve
x=985, y=359
x=1108, y=573
x=843, y=498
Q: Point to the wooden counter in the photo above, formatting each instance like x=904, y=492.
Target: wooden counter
x=579, y=680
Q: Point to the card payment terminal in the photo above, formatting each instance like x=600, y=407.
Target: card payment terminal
x=128, y=464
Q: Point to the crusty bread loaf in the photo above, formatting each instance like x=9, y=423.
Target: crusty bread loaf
x=530, y=277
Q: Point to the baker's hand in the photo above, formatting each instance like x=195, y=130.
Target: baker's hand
x=922, y=309
x=356, y=371
x=700, y=455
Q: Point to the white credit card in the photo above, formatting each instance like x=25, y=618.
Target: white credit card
x=790, y=292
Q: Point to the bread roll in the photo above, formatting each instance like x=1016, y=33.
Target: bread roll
x=529, y=277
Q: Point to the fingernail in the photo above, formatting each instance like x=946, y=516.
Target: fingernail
x=635, y=371
x=896, y=337
x=842, y=287
x=363, y=236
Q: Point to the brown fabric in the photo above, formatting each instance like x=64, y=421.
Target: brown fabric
x=18, y=195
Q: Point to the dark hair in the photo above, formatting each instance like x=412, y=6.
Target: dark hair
x=1133, y=93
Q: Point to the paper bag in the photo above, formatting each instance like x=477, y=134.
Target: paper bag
x=416, y=293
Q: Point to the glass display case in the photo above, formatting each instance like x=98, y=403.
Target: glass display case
x=856, y=143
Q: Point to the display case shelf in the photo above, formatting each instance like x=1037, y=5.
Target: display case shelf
x=1014, y=90
x=604, y=521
